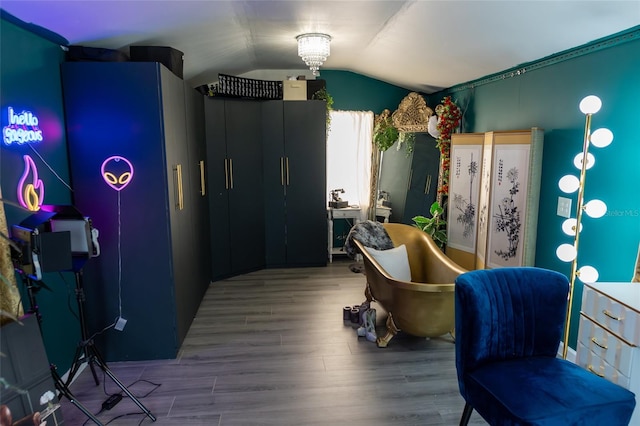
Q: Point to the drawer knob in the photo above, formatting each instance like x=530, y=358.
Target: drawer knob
x=610, y=315
x=595, y=341
x=590, y=368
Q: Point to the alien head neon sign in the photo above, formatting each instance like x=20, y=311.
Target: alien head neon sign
x=117, y=172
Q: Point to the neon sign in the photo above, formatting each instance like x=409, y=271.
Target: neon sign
x=22, y=128
x=117, y=172
x=30, y=194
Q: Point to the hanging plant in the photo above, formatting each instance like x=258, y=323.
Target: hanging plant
x=409, y=141
x=385, y=134
x=323, y=95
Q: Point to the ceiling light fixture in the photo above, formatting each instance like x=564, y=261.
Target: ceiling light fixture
x=314, y=49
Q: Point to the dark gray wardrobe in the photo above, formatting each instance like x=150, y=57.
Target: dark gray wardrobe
x=234, y=162
x=138, y=119
x=295, y=183
x=267, y=177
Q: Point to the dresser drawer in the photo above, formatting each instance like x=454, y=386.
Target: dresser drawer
x=606, y=346
x=592, y=362
x=612, y=315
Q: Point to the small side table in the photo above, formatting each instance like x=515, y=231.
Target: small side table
x=384, y=212
x=346, y=213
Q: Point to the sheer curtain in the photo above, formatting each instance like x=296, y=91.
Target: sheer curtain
x=349, y=156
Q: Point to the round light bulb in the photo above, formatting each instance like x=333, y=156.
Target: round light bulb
x=569, y=227
x=590, y=104
x=595, y=208
x=569, y=184
x=577, y=161
x=566, y=252
x=601, y=137
x=588, y=274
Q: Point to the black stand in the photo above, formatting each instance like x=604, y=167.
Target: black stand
x=86, y=352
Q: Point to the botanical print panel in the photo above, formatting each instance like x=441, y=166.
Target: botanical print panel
x=510, y=173
x=483, y=209
x=464, y=188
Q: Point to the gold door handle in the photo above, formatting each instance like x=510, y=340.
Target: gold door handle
x=226, y=173
x=610, y=315
x=427, y=187
x=203, y=190
x=287, y=162
x=595, y=342
x=180, y=201
x=590, y=368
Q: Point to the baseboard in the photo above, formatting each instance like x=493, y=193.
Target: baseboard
x=571, y=353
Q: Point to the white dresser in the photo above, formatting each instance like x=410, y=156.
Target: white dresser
x=609, y=335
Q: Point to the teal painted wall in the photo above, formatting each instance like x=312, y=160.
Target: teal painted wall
x=355, y=92
x=548, y=97
x=30, y=80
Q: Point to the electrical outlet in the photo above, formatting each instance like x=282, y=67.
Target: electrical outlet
x=564, y=207
x=120, y=323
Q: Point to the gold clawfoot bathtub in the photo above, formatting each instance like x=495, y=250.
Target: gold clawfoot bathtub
x=424, y=306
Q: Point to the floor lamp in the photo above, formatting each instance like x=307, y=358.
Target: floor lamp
x=600, y=138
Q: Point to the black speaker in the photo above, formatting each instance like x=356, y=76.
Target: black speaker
x=168, y=56
x=94, y=54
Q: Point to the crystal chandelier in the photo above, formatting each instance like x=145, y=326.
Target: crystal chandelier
x=314, y=49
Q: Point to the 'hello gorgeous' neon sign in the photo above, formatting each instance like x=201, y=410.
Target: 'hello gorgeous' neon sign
x=22, y=128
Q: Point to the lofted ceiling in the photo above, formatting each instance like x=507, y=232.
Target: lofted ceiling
x=422, y=45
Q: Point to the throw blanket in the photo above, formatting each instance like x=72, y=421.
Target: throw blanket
x=370, y=234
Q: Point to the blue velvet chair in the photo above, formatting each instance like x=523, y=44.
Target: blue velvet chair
x=509, y=323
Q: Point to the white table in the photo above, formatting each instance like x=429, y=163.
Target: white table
x=384, y=212
x=346, y=213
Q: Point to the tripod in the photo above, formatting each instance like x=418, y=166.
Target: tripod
x=86, y=352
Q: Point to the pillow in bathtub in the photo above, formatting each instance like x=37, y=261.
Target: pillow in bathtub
x=395, y=261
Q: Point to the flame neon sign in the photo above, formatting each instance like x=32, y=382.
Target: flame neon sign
x=22, y=128
x=30, y=193
x=117, y=172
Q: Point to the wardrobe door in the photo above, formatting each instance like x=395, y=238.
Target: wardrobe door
x=218, y=184
x=180, y=201
x=124, y=135
x=274, y=163
x=306, y=175
x=424, y=178
x=244, y=153
x=196, y=145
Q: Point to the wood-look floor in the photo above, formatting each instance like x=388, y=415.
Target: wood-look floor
x=271, y=348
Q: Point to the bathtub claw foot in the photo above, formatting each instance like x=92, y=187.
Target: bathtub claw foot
x=392, y=330
x=367, y=293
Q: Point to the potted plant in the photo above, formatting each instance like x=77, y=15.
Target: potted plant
x=434, y=226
